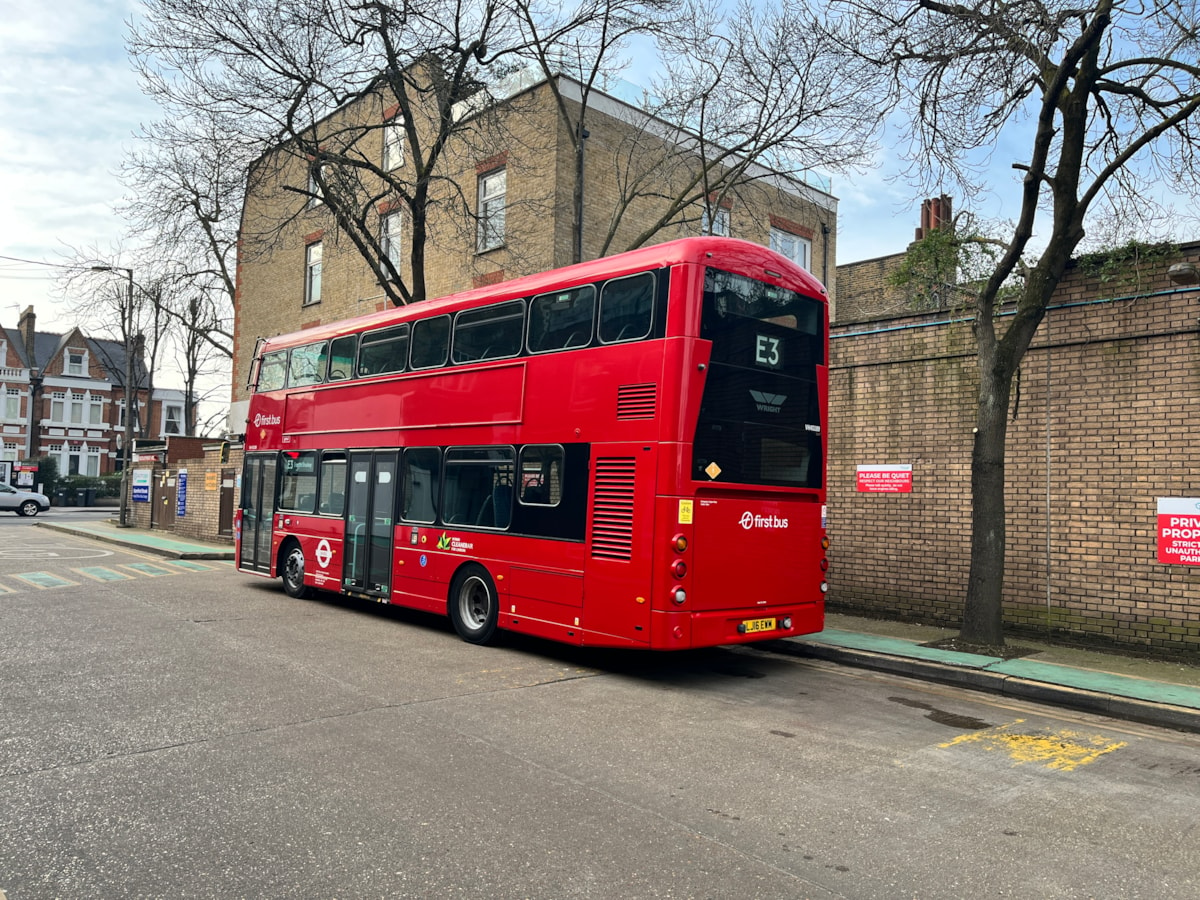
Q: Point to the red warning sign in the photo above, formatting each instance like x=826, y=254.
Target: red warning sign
x=1179, y=531
x=885, y=479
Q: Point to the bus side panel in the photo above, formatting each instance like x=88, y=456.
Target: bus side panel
x=620, y=540
x=321, y=540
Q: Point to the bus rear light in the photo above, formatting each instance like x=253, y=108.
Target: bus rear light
x=786, y=623
x=824, y=587
x=824, y=565
x=679, y=596
x=679, y=568
x=679, y=543
x=824, y=542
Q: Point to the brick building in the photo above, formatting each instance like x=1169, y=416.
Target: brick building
x=64, y=397
x=516, y=171
x=1105, y=421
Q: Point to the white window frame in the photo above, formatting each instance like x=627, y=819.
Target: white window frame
x=715, y=222
x=12, y=405
x=391, y=230
x=167, y=409
x=492, y=194
x=82, y=369
x=393, y=144
x=58, y=407
x=95, y=410
x=312, y=273
x=796, y=248
x=316, y=194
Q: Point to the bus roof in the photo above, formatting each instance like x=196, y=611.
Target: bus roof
x=684, y=250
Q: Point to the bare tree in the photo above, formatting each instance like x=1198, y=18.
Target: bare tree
x=186, y=180
x=1104, y=98
x=276, y=75
x=744, y=94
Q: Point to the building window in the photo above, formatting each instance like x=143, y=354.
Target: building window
x=95, y=411
x=76, y=362
x=492, y=190
x=316, y=195
x=389, y=238
x=393, y=144
x=11, y=452
x=121, y=414
x=12, y=405
x=58, y=407
x=172, y=418
x=794, y=247
x=312, y=274
x=77, y=405
x=715, y=223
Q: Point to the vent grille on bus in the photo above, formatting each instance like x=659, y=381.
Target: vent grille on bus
x=612, y=513
x=637, y=401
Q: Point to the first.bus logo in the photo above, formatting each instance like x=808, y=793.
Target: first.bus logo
x=749, y=520
x=261, y=420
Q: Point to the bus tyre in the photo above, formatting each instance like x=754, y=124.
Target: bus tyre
x=474, y=606
x=293, y=572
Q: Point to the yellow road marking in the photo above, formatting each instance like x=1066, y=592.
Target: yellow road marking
x=1062, y=750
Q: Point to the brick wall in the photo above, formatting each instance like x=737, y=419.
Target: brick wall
x=1106, y=420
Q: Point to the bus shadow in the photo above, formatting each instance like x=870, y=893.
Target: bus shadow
x=675, y=668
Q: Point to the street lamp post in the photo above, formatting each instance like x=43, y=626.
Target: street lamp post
x=127, y=443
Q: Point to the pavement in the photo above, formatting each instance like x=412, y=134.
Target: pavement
x=1159, y=692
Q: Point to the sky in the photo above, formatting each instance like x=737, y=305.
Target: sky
x=70, y=107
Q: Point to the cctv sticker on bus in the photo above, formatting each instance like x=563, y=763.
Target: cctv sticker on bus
x=1179, y=531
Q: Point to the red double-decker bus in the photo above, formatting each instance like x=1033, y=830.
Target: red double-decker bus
x=627, y=452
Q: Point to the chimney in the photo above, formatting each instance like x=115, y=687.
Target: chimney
x=935, y=212
x=26, y=325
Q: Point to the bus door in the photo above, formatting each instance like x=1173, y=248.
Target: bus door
x=258, y=511
x=370, y=521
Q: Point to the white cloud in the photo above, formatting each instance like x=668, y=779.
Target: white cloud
x=69, y=105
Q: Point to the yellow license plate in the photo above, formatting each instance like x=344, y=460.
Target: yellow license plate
x=753, y=626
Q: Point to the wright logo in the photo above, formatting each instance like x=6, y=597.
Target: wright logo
x=771, y=403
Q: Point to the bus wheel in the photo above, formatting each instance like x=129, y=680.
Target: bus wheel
x=293, y=572
x=474, y=606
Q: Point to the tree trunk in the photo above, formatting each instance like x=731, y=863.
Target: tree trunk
x=983, y=618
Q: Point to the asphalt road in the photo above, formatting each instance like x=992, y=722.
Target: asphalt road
x=168, y=730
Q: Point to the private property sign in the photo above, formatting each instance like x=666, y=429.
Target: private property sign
x=1179, y=531
x=885, y=479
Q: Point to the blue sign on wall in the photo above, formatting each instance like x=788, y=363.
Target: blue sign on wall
x=181, y=494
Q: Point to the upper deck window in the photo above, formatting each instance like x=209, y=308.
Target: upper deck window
x=272, y=371
x=308, y=364
x=384, y=351
x=562, y=319
x=627, y=308
x=341, y=357
x=430, y=342
x=493, y=332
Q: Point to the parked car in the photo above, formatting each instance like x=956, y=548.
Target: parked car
x=23, y=503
